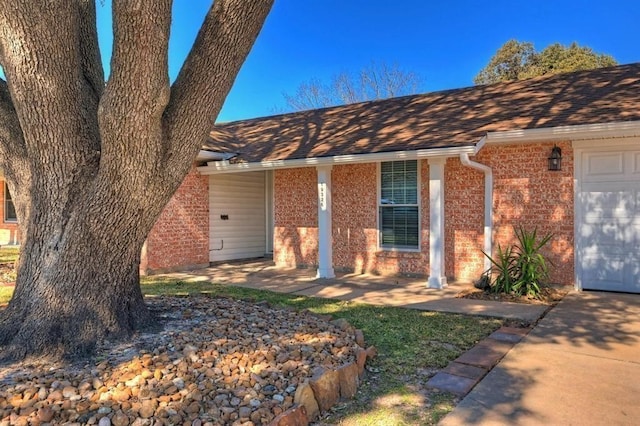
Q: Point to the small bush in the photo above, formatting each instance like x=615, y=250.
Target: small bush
x=521, y=268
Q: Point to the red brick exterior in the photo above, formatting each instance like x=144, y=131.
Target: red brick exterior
x=526, y=194
x=464, y=220
x=11, y=227
x=354, y=210
x=180, y=237
x=295, y=237
x=355, y=237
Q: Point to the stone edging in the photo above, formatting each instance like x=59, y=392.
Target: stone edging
x=327, y=386
x=466, y=371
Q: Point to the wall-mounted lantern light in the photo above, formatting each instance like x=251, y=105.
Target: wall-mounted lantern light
x=555, y=159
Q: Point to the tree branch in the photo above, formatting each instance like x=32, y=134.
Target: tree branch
x=224, y=41
x=11, y=139
x=137, y=91
x=13, y=156
x=45, y=79
x=90, y=60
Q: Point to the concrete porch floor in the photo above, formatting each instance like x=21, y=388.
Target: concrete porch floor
x=365, y=288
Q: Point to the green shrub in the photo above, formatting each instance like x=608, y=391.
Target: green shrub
x=521, y=268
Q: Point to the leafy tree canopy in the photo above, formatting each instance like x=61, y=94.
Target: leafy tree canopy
x=517, y=60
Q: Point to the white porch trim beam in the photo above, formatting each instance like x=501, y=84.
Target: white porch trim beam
x=437, y=278
x=325, y=240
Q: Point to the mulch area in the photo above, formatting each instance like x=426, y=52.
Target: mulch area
x=548, y=296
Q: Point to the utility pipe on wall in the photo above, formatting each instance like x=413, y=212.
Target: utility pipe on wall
x=488, y=204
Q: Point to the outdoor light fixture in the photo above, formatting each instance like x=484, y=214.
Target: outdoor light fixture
x=555, y=159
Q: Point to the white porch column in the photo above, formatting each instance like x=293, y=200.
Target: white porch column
x=437, y=278
x=325, y=242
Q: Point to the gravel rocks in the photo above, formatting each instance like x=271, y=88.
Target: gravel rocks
x=217, y=361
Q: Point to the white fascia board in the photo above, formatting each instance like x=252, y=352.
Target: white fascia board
x=574, y=133
x=214, y=167
x=206, y=155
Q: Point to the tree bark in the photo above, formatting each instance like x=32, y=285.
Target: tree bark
x=91, y=165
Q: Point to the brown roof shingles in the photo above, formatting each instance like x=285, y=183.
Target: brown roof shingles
x=449, y=118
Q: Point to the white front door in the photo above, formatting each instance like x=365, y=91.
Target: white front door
x=237, y=220
x=608, y=218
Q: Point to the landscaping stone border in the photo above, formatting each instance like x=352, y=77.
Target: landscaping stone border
x=327, y=386
x=464, y=372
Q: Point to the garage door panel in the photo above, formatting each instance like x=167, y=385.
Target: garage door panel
x=610, y=233
x=608, y=227
x=600, y=271
x=601, y=166
x=613, y=204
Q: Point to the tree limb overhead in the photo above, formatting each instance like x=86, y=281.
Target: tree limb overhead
x=11, y=140
x=224, y=41
x=137, y=91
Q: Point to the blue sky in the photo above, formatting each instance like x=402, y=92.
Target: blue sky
x=445, y=42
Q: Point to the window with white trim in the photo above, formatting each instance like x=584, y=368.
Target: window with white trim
x=399, y=212
x=9, y=207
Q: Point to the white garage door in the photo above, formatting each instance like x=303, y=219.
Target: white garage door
x=237, y=219
x=608, y=220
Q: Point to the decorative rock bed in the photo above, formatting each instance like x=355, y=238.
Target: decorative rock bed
x=217, y=361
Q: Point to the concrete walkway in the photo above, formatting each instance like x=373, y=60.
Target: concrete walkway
x=373, y=289
x=579, y=366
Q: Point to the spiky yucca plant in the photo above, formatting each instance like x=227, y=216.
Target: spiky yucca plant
x=522, y=268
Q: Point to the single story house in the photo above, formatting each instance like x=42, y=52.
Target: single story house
x=423, y=184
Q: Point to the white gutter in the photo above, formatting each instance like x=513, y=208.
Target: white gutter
x=488, y=204
x=206, y=155
x=620, y=129
x=214, y=167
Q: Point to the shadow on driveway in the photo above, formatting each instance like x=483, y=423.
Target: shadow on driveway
x=580, y=365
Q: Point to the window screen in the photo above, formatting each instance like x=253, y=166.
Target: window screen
x=399, y=212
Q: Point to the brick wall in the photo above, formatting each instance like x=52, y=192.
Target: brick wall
x=526, y=194
x=8, y=229
x=464, y=221
x=295, y=237
x=180, y=237
x=354, y=211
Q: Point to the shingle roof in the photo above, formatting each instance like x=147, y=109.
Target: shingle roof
x=448, y=118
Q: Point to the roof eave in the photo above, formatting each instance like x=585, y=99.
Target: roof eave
x=619, y=129
x=215, y=167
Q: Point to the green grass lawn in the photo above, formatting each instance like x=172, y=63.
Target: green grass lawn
x=409, y=343
x=8, y=254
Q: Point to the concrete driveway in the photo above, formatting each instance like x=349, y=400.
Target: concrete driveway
x=579, y=366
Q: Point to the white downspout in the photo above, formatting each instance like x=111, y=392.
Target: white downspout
x=488, y=204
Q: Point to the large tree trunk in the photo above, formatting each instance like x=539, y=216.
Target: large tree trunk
x=65, y=306
x=78, y=276
x=91, y=165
